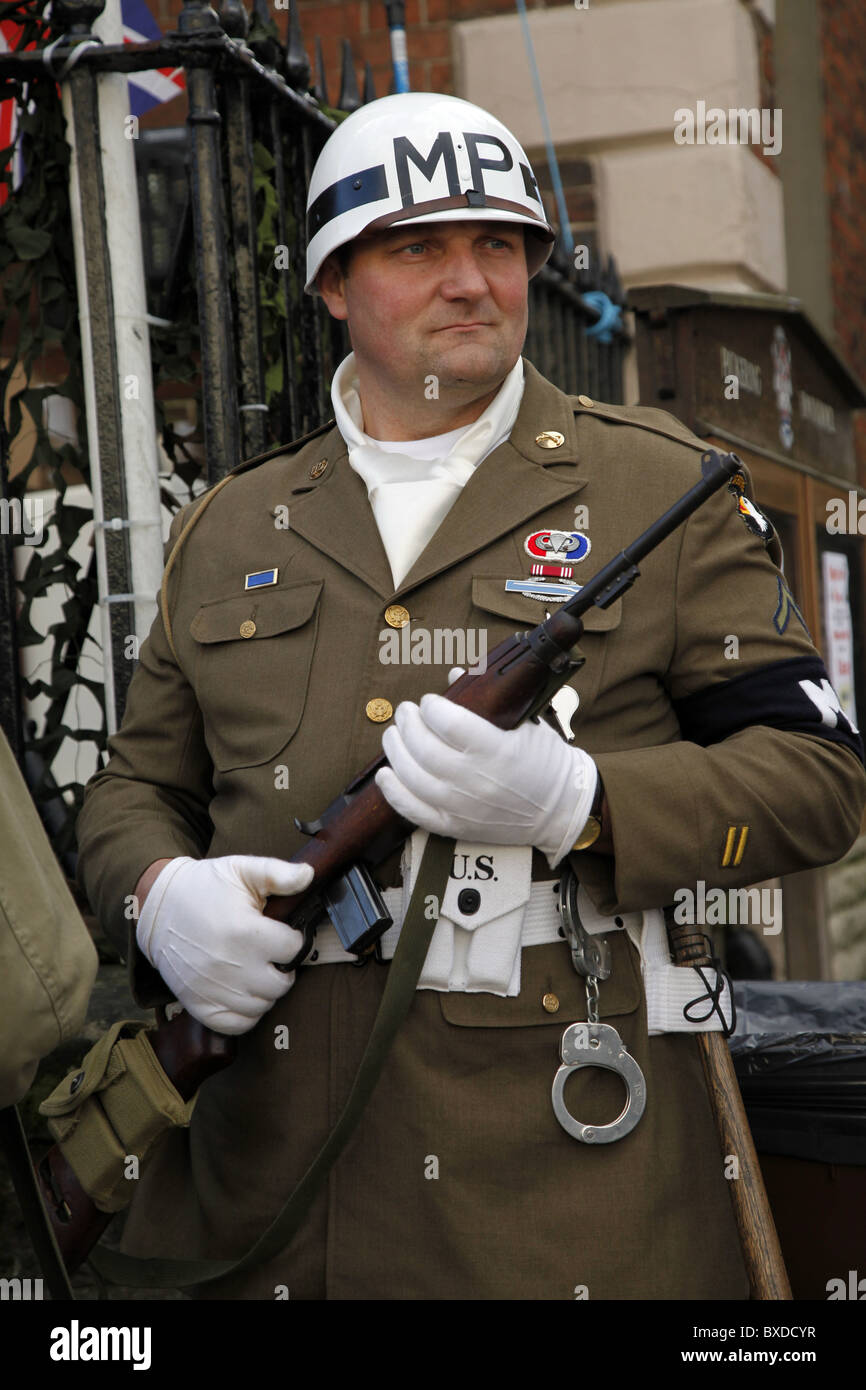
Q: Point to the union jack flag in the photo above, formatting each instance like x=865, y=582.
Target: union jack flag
x=151, y=88
x=9, y=35
x=146, y=89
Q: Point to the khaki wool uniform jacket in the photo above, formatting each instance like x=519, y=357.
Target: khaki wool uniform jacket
x=47, y=959
x=217, y=725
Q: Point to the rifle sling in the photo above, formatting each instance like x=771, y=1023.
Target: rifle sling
x=403, y=975
x=13, y=1141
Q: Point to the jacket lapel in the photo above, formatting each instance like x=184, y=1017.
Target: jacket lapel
x=513, y=483
x=334, y=514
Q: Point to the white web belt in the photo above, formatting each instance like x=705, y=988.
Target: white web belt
x=669, y=988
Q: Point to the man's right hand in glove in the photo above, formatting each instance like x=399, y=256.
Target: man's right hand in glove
x=201, y=926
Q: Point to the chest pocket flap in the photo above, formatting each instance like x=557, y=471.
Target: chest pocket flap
x=272, y=610
x=263, y=642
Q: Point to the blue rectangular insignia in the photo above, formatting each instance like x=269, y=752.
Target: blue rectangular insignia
x=260, y=579
x=543, y=589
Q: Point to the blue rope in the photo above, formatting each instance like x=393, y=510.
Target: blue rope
x=564, y=228
x=611, y=317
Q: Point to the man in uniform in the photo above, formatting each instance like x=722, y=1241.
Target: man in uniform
x=457, y=492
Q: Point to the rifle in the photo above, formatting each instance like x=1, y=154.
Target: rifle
x=359, y=830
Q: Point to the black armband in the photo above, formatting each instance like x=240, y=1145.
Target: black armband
x=794, y=695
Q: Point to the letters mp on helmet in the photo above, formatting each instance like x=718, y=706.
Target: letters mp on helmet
x=417, y=157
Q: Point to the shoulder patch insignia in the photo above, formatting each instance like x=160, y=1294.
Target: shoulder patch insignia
x=753, y=517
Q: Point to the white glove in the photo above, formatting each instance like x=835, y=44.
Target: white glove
x=201, y=926
x=454, y=773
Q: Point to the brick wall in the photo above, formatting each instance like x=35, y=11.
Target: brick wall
x=428, y=33
x=428, y=38
x=843, y=27
x=764, y=37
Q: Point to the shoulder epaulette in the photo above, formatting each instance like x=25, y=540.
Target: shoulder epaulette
x=283, y=448
x=642, y=417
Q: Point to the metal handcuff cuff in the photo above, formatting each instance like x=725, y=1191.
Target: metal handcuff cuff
x=592, y=1044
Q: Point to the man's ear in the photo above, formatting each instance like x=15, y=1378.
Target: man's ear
x=330, y=281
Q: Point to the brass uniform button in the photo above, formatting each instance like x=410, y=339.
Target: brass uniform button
x=586, y=400
x=248, y=628
x=379, y=710
x=550, y=439
x=550, y=1003
x=396, y=615
x=318, y=468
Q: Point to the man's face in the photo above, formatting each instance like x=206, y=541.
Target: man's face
x=441, y=298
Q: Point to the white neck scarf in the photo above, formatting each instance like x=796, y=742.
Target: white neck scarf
x=413, y=483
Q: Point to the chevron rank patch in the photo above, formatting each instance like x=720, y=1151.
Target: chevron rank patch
x=786, y=608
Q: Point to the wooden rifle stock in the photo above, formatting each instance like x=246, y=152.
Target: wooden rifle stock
x=521, y=675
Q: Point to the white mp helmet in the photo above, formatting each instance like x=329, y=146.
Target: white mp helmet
x=416, y=157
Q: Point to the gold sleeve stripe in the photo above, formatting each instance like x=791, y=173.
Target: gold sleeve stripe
x=731, y=857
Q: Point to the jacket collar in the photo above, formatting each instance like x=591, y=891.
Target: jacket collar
x=517, y=481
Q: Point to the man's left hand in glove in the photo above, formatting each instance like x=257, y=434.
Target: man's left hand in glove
x=453, y=773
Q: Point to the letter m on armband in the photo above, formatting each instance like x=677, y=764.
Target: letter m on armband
x=793, y=695
x=827, y=703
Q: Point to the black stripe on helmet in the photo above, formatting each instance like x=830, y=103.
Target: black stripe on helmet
x=354, y=191
x=529, y=184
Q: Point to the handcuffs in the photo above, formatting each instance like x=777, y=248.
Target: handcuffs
x=592, y=1044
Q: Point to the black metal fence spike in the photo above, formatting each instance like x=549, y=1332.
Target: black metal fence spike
x=350, y=97
x=268, y=50
x=297, y=62
x=195, y=16
x=369, y=85
x=75, y=15
x=234, y=18
x=320, y=88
